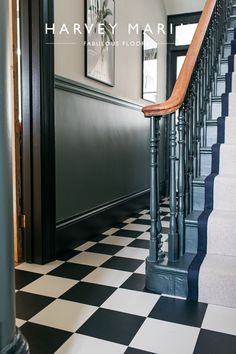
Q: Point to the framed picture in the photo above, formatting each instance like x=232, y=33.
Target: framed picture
x=149, y=76
x=100, y=38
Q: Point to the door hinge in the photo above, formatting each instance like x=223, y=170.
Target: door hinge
x=22, y=221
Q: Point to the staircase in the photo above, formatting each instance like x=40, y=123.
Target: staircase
x=201, y=259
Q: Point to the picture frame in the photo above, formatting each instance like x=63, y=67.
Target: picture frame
x=149, y=68
x=100, y=48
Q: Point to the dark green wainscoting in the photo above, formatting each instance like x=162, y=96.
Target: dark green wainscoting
x=102, y=160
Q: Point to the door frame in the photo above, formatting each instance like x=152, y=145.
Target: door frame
x=38, y=132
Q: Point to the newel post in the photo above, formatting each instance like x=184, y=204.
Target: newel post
x=156, y=253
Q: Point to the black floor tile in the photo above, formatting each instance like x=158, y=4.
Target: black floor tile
x=28, y=305
x=165, y=230
x=166, y=218
x=165, y=205
x=72, y=271
x=136, y=351
x=90, y=294
x=98, y=238
x=23, y=278
x=164, y=213
x=216, y=343
x=67, y=255
x=127, y=233
x=125, y=264
x=135, y=216
x=105, y=249
x=120, y=225
x=42, y=339
x=112, y=326
x=142, y=222
x=135, y=282
x=140, y=244
x=179, y=311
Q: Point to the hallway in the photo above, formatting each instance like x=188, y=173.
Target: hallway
x=93, y=300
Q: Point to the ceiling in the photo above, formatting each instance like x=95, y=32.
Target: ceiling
x=183, y=6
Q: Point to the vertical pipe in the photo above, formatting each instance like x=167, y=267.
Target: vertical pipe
x=173, y=237
x=156, y=254
x=10, y=339
x=181, y=183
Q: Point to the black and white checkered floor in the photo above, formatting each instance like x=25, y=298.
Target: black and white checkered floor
x=93, y=301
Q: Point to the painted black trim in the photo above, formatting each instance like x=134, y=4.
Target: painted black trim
x=233, y=47
x=78, y=88
x=221, y=130
x=97, y=221
x=100, y=208
x=228, y=78
x=225, y=104
x=231, y=63
x=38, y=131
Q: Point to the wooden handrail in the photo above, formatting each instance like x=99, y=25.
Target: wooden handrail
x=181, y=86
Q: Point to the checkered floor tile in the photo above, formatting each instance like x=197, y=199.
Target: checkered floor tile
x=93, y=300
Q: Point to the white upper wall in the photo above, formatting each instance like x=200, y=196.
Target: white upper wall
x=70, y=59
x=174, y=7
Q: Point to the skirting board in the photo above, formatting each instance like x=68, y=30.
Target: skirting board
x=70, y=233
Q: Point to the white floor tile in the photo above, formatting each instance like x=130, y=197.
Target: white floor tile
x=141, y=269
x=37, y=268
x=145, y=211
x=49, y=285
x=136, y=227
x=65, y=315
x=133, y=252
x=165, y=223
x=133, y=302
x=128, y=221
x=166, y=210
x=19, y=323
x=85, y=246
x=145, y=217
x=165, y=337
x=107, y=277
x=144, y=236
x=117, y=240
x=165, y=247
x=111, y=231
x=164, y=237
x=80, y=344
x=220, y=319
x=89, y=258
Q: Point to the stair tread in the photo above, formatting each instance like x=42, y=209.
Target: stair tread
x=193, y=217
x=207, y=149
x=212, y=122
x=200, y=180
x=217, y=281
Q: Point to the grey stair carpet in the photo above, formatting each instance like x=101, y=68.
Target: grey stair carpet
x=212, y=274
